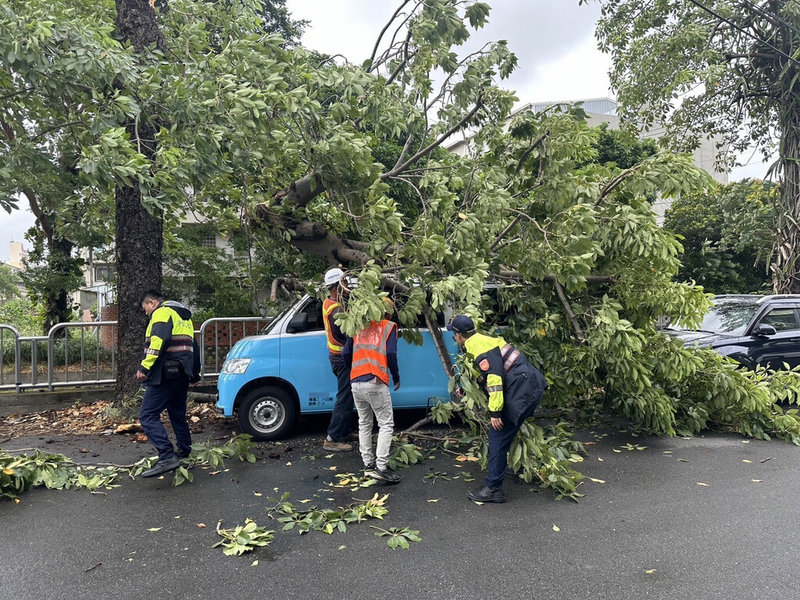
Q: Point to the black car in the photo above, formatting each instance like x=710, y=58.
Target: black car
x=753, y=330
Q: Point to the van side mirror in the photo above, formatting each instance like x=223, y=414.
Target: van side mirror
x=764, y=329
x=298, y=323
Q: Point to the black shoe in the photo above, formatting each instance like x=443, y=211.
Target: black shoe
x=487, y=494
x=183, y=455
x=383, y=475
x=163, y=466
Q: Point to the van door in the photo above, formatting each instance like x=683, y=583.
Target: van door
x=783, y=347
x=421, y=373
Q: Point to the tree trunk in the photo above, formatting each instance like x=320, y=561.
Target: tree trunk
x=138, y=235
x=139, y=238
x=56, y=302
x=786, y=270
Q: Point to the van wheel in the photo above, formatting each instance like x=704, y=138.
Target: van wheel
x=267, y=413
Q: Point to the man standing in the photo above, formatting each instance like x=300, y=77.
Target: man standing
x=343, y=409
x=170, y=362
x=373, y=355
x=515, y=389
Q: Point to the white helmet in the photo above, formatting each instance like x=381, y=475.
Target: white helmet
x=333, y=276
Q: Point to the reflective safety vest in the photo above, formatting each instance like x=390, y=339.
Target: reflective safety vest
x=369, y=351
x=169, y=335
x=493, y=358
x=334, y=345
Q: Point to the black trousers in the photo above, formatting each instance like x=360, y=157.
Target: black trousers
x=342, y=417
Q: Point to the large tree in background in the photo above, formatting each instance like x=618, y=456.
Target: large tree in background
x=71, y=97
x=149, y=190
x=57, y=68
x=138, y=238
x=724, y=68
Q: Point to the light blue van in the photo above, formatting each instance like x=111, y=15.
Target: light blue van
x=272, y=378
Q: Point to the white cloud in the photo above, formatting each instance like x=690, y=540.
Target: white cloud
x=553, y=40
x=580, y=74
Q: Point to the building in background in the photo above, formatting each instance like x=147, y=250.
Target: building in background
x=17, y=256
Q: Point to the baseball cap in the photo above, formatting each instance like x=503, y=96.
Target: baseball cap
x=461, y=324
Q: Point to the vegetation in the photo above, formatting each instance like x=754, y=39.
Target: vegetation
x=716, y=68
x=9, y=284
x=727, y=236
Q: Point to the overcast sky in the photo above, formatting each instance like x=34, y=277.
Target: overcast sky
x=553, y=39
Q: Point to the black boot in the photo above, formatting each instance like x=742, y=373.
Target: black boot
x=487, y=494
x=163, y=466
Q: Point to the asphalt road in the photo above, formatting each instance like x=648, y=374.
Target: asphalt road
x=649, y=531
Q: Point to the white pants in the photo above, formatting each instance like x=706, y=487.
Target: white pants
x=372, y=397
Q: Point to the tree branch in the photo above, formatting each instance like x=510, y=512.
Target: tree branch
x=383, y=31
x=570, y=313
x=436, y=143
x=302, y=191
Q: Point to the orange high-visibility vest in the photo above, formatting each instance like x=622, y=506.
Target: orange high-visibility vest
x=369, y=351
x=328, y=307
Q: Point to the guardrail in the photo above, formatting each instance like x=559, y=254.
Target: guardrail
x=204, y=332
x=81, y=354
x=16, y=344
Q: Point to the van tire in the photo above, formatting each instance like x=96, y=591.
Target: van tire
x=267, y=413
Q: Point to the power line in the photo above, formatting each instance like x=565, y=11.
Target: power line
x=744, y=31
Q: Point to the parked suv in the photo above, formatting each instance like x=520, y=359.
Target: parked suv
x=272, y=378
x=753, y=330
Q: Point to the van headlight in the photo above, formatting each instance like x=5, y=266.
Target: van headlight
x=236, y=366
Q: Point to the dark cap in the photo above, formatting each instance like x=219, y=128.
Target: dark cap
x=461, y=324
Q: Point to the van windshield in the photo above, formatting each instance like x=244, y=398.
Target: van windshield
x=271, y=325
x=729, y=317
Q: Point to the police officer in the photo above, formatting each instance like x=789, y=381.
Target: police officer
x=342, y=415
x=171, y=360
x=515, y=389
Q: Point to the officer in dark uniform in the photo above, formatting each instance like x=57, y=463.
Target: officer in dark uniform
x=515, y=389
x=171, y=361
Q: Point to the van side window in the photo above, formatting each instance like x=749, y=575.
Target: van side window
x=314, y=311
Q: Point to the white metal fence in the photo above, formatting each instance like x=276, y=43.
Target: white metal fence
x=85, y=354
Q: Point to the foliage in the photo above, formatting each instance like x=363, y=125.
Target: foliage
x=243, y=538
x=59, y=66
x=399, y=537
x=327, y=520
x=404, y=456
x=205, y=276
x=620, y=148
x=726, y=236
x=654, y=74
x=9, y=284
x=23, y=315
x=20, y=472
